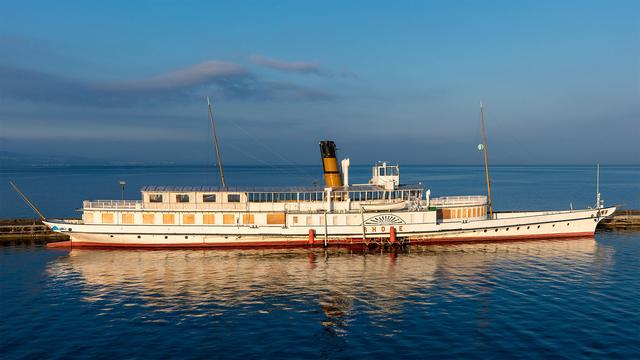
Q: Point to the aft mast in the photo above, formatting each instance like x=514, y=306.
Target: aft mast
x=599, y=204
x=215, y=141
x=486, y=164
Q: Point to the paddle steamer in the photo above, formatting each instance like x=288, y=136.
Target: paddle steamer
x=383, y=211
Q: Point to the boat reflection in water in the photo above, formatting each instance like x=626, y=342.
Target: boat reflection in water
x=337, y=282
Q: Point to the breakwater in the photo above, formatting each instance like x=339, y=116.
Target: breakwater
x=14, y=231
x=622, y=220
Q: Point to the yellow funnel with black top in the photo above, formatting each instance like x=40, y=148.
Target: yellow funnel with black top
x=330, y=164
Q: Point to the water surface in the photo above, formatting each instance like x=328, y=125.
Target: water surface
x=536, y=299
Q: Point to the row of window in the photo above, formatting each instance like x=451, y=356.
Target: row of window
x=382, y=195
x=298, y=196
x=285, y=196
x=184, y=198
x=187, y=218
x=468, y=212
x=276, y=218
x=388, y=171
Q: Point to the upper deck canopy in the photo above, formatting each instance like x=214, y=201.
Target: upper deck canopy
x=355, y=187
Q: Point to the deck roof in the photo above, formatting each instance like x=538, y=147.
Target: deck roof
x=205, y=188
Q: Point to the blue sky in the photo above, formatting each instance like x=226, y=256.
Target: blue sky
x=125, y=81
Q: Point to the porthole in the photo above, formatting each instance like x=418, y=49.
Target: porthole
x=507, y=229
x=518, y=228
x=186, y=237
x=538, y=226
x=70, y=229
x=496, y=230
x=166, y=237
x=528, y=227
x=138, y=236
x=554, y=225
x=110, y=235
x=567, y=224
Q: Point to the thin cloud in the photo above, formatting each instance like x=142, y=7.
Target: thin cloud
x=199, y=74
x=221, y=78
x=298, y=66
x=301, y=67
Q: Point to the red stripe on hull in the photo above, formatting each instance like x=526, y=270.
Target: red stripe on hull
x=502, y=238
x=317, y=243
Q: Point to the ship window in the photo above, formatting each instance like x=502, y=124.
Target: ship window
x=188, y=219
x=209, y=198
x=381, y=171
x=88, y=217
x=107, y=218
x=168, y=219
x=275, y=218
x=148, y=218
x=155, y=198
x=228, y=219
x=247, y=219
x=182, y=198
x=233, y=198
x=127, y=218
x=208, y=219
x=295, y=219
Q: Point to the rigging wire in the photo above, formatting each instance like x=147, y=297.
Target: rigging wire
x=299, y=175
x=257, y=141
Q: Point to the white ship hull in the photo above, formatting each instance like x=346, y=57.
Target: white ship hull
x=376, y=230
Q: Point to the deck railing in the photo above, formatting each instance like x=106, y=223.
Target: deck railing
x=112, y=204
x=459, y=200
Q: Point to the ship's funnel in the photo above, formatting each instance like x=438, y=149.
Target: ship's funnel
x=330, y=164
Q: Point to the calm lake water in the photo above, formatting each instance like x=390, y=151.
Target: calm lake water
x=537, y=299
